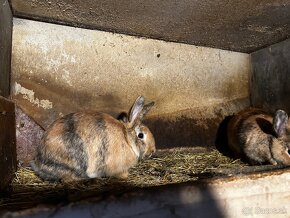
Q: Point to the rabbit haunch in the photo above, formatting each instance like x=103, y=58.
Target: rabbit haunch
x=92, y=145
x=260, y=137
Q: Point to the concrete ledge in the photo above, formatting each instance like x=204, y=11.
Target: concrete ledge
x=256, y=195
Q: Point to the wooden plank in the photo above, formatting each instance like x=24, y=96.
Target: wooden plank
x=270, y=77
x=5, y=47
x=8, y=162
x=244, y=25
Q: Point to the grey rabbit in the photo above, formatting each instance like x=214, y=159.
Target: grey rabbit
x=260, y=137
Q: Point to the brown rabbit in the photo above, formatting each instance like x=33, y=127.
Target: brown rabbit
x=259, y=137
x=91, y=144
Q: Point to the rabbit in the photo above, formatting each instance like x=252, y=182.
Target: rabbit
x=260, y=137
x=89, y=144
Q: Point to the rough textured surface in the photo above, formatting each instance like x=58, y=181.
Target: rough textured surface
x=28, y=137
x=245, y=25
x=270, y=77
x=167, y=166
x=58, y=69
x=256, y=195
x=5, y=47
x=7, y=143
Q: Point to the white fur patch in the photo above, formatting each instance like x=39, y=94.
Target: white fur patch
x=92, y=175
x=134, y=147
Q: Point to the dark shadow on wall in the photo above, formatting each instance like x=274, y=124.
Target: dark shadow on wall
x=195, y=127
x=182, y=131
x=221, y=139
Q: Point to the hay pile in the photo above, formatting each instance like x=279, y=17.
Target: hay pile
x=168, y=166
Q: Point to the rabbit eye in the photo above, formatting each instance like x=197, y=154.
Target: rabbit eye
x=140, y=135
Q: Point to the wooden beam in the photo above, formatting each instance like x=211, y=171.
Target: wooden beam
x=8, y=163
x=5, y=47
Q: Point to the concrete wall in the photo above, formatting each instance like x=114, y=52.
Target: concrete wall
x=270, y=77
x=59, y=69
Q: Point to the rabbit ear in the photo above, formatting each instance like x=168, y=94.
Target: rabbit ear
x=135, y=111
x=146, y=109
x=280, y=122
x=123, y=117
